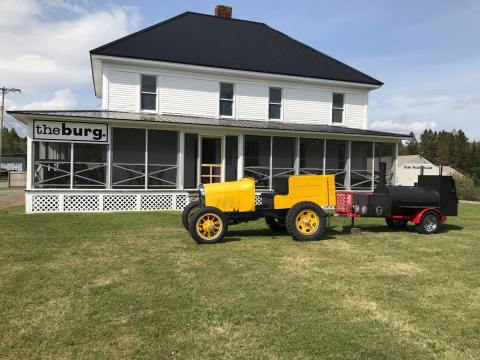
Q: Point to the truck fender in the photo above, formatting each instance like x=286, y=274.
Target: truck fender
x=418, y=216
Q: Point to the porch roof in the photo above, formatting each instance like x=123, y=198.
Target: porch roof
x=192, y=120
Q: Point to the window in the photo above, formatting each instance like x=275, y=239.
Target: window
x=275, y=104
x=311, y=156
x=336, y=162
x=337, y=108
x=283, y=156
x=52, y=166
x=190, y=161
x=149, y=92
x=128, y=166
x=231, y=157
x=89, y=165
x=226, y=99
x=162, y=159
x=257, y=160
x=361, y=162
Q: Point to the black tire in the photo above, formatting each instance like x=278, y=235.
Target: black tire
x=429, y=223
x=276, y=224
x=188, y=213
x=306, y=231
x=393, y=223
x=219, y=225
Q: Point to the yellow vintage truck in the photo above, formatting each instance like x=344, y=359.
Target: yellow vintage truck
x=294, y=206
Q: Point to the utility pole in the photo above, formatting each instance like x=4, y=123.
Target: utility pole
x=4, y=92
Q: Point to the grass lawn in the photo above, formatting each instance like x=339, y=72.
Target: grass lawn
x=136, y=285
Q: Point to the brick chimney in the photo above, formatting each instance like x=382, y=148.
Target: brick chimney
x=223, y=11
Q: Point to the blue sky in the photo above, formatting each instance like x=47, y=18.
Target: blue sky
x=426, y=52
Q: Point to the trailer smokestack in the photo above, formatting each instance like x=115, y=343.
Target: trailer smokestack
x=382, y=174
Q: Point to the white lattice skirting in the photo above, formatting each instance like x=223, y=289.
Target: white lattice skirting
x=40, y=202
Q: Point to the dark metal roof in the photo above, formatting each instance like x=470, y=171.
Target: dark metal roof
x=192, y=120
x=199, y=39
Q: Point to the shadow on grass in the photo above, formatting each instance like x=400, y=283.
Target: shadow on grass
x=410, y=228
x=236, y=235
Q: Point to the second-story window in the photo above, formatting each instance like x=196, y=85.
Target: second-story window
x=338, y=108
x=149, y=93
x=226, y=99
x=275, y=104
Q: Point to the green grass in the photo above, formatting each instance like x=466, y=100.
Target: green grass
x=134, y=285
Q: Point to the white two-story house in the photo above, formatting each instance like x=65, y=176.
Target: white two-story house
x=198, y=99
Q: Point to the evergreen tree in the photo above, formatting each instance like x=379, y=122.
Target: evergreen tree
x=428, y=145
x=461, y=148
x=12, y=143
x=412, y=146
x=444, y=149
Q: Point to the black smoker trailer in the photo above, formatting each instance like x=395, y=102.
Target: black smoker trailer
x=426, y=204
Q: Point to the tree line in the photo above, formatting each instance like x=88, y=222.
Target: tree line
x=12, y=143
x=446, y=148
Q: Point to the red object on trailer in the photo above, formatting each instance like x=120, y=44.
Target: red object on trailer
x=344, y=204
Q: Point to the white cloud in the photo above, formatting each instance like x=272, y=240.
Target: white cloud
x=416, y=127
x=45, y=51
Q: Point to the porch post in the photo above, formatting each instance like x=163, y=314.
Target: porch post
x=373, y=165
x=29, y=162
x=109, y=159
x=146, y=159
x=180, y=159
x=348, y=165
x=271, y=164
x=296, y=163
x=394, y=164
x=240, y=162
x=324, y=156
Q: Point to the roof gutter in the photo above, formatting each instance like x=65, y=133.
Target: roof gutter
x=97, y=60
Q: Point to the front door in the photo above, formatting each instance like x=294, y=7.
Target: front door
x=211, y=160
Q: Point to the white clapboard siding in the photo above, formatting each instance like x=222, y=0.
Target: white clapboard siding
x=356, y=110
x=251, y=101
x=307, y=106
x=188, y=96
x=123, y=90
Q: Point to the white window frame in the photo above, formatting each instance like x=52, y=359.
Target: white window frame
x=220, y=99
x=343, y=108
x=274, y=103
x=150, y=93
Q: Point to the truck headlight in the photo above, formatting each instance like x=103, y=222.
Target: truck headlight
x=201, y=194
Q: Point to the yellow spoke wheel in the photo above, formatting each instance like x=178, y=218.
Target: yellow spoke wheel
x=209, y=226
x=307, y=222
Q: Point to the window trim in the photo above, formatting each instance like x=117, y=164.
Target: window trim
x=274, y=103
x=150, y=93
x=343, y=108
x=220, y=99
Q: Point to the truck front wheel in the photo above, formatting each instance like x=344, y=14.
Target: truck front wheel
x=188, y=212
x=306, y=221
x=208, y=225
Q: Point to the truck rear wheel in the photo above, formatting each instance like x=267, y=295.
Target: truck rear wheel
x=188, y=212
x=306, y=221
x=394, y=223
x=208, y=225
x=429, y=223
x=276, y=224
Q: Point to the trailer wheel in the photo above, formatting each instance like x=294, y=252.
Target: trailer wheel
x=188, y=212
x=208, y=225
x=306, y=221
x=276, y=224
x=393, y=223
x=429, y=223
